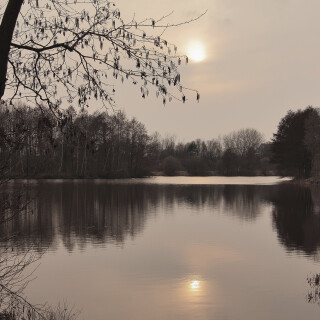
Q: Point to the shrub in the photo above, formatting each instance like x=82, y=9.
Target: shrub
x=196, y=167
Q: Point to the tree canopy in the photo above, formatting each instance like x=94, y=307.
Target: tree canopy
x=289, y=149
x=56, y=51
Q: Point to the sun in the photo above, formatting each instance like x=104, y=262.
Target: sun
x=194, y=285
x=196, y=51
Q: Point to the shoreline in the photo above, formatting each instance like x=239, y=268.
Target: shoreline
x=181, y=173
x=314, y=181
x=133, y=177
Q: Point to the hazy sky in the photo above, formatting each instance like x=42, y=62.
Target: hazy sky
x=262, y=59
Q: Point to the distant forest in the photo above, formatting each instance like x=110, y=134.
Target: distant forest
x=35, y=144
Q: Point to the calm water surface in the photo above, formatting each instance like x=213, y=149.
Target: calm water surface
x=166, y=248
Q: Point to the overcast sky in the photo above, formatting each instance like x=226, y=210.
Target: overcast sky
x=262, y=59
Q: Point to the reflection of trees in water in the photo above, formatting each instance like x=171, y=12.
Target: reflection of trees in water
x=79, y=212
x=244, y=201
x=296, y=217
x=100, y=212
x=84, y=211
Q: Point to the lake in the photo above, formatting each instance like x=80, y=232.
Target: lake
x=173, y=248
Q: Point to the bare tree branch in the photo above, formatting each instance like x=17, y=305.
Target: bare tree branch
x=67, y=51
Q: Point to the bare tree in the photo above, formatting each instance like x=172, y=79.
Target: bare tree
x=214, y=152
x=242, y=141
x=59, y=51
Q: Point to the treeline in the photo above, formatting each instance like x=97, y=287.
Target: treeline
x=238, y=153
x=33, y=143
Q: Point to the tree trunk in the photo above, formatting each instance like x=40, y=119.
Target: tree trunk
x=6, y=31
x=62, y=155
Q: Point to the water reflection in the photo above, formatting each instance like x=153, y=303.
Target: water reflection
x=78, y=213
x=296, y=217
x=145, y=251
